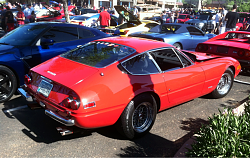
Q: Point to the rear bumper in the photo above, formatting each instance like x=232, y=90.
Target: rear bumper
x=67, y=122
x=26, y=95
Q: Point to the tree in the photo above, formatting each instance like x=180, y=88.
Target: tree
x=66, y=13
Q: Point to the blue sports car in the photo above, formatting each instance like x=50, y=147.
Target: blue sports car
x=182, y=36
x=34, y=43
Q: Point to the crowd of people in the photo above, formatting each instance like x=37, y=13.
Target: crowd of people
x=9, y=21
x=224, y=20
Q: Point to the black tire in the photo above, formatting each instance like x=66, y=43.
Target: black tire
x=8, y=83
x=177, y=45
x=138, y=117
x=225, y=84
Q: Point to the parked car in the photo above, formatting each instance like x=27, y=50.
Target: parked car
x=183, y=18
x=233, y=44
x=124, y=81
x=182, y=36
x=90, y=20
x=31, y=44
x=204, y=22
x=244, y=17
x=87, y=10
x=131, y=24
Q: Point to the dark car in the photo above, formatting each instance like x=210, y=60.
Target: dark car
x=34, y=43
x=86, y=10
x=204, y=22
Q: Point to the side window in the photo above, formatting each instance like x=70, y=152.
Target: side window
x=166, y=59
x=194, y=31
x=84, y=33
x=151, y=25
x=140, y=65
x=61, y=34
x=182, y=57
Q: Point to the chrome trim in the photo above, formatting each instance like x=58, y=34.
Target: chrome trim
x=46, y=78
x=25, y=94
x=67, y=122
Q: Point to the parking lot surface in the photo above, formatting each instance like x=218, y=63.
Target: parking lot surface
x=30, y=133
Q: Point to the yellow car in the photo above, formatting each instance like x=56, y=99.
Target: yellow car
x=130, y=23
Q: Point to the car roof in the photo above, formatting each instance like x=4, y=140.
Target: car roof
x=60, y=24
x=140, y=44
x=89, y=14
x=182, y=29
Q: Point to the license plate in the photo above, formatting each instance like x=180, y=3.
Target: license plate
x=44, y=88
x=222, y=50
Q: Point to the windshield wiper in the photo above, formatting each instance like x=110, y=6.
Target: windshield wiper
x=4, y=43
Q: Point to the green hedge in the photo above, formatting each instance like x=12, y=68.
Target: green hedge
x=227, y=135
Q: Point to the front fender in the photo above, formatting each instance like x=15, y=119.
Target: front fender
x=15, y=64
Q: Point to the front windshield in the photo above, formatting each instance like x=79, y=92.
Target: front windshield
x=182, y=17
x=23, y=35
x=241, y=19
x=98, y=54
x=203, y=17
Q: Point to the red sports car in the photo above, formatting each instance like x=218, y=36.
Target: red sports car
x=234, y=44
x=183, y=18
x=125, y=81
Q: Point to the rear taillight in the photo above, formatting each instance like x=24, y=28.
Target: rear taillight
x=27, y=79
x=241, y=53
x=71, y=103
x=247, y=54
x=202, y=47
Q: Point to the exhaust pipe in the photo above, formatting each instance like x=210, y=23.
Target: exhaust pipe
x=64, y=130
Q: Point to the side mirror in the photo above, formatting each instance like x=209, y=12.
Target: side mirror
x=46, y=42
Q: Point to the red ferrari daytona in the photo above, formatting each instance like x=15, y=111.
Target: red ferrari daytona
x=125, y=81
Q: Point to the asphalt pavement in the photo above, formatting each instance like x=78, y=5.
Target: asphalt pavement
x=30, y=133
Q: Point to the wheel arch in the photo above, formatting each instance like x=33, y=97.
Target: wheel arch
x=156, y=97
x=232, y=68
x=179, y=44
x=14, y=71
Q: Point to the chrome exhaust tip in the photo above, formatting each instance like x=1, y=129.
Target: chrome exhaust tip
x=64, y=130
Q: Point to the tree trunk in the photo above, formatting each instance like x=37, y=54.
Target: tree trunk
x=66, y=13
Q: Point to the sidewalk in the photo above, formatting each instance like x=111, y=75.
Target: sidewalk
x=187, y=145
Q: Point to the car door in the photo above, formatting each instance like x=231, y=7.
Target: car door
x=62, y=39
x=197, y=36
x=184, y=80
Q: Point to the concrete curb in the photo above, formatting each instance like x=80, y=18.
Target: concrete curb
x=187, y=145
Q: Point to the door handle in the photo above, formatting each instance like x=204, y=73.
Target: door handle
x=27, y=57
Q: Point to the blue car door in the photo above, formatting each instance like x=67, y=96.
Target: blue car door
x=197, y=36
x=58, y=40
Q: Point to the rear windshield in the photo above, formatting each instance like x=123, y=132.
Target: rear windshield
x=98, y=54
x=165, y=28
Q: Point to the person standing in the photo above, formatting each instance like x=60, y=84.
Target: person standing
x=232, y=18
x=135, y=11
x=164, y=17
x=217, y=20
x=3, y=24
x=28, y=12
x=77, y=11
x=104, y=18
x=176, y=16
x=20, y=16
x=9, y=19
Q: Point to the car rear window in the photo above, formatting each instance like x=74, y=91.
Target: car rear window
x=98, y=54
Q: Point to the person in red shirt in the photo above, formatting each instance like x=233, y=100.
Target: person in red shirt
x=104, y=18
x=20, y=16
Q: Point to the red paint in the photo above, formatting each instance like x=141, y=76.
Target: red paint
x=104, y=97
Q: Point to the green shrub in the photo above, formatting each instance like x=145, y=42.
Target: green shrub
x=227, y=135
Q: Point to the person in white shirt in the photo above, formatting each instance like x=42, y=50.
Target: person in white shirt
x=28, y=12
x=217, y=20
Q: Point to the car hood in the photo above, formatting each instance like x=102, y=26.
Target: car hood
x=64, y=71
x=196, y=21
x=5, y=48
